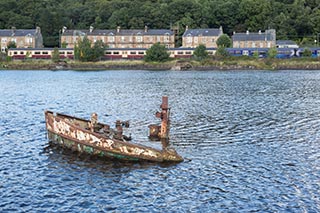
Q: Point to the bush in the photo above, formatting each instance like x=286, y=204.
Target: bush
x=272, y=52
x=222, y=52
x=55, y=55
x=200, y=53
x=307, y=52
x=158, y=53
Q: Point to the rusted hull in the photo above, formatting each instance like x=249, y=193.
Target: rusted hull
x=75, y=134
x=86, y=148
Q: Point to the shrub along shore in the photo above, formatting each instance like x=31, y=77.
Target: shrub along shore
x=221, y=64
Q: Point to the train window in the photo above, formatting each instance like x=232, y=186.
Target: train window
x=69, y=53
x=45, y=53
x=133, y=53
x=115, y=53
x=15, y=53
x=21, y=53
x=37, y=53
x=188, y=53
x=61, y=53
x=180, y=53
x=141, y=53
x=124, y=53
x=210, y=52
x=108, y=53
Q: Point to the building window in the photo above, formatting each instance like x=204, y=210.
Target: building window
x=111, y=38
x=269, y=45
x=4, y=40
x=123, y=39
x=158, y=38
x=139, y=39
x=195, y=39
x=253, y=44
x=189, y=39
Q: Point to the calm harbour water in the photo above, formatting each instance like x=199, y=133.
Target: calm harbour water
x=251, y=140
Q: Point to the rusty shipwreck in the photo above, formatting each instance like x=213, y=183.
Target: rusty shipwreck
x=93, y=137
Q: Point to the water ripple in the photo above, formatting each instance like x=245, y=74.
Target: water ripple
x=250, y=139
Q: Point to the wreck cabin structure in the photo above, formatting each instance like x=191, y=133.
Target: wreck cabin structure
x=120, y=38
x=192, y=38
x=265, y=39
x=23, y=38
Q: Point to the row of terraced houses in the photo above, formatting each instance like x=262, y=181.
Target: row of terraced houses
x=140, y=38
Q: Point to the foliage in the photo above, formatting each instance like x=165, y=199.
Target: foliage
x=306, y=52
x=12, y=44
x=256, y=54
x=222, y=52
x=272, y=52
x=200, y=53
x=55, y=55
x=157, y=52
x=83, y=50
x=224, y=41
x=292, y=19
x=64, y=44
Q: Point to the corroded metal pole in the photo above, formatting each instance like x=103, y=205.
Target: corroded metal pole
x=165, y=120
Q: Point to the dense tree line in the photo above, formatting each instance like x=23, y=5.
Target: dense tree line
x=298, y=20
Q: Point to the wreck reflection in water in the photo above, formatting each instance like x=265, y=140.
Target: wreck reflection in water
x=251, y=137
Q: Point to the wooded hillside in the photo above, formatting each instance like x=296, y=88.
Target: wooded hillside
x=298, y=20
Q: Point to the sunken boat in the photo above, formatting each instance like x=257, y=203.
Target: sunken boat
x=95, y=138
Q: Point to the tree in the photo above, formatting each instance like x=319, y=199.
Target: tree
x=224, y=41
x=200, y=53
x=11, y=44
x=84, y=51
x=157, y=52
x=98, y=50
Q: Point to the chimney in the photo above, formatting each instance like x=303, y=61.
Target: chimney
x=145, y=28
x=91, y=29
x=220, y=29
x=13, y=30
x=259, y=32
x=38, y=30
x=234, y=32
x=64, y=28
x=118, y=29
x=187, y=28
x=247, y=32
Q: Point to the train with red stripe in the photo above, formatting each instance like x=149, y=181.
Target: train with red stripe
x=139, y=53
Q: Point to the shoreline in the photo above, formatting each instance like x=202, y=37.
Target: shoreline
x=177, y=65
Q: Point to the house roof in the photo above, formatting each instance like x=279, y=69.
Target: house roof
x=203, y=32
x=286, y=42
x=17, y=32
x=253, y=37
x=121, y=32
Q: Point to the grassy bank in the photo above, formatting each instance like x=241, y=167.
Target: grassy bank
x=239, y=63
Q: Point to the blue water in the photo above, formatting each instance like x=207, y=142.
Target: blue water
x=251, y=140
